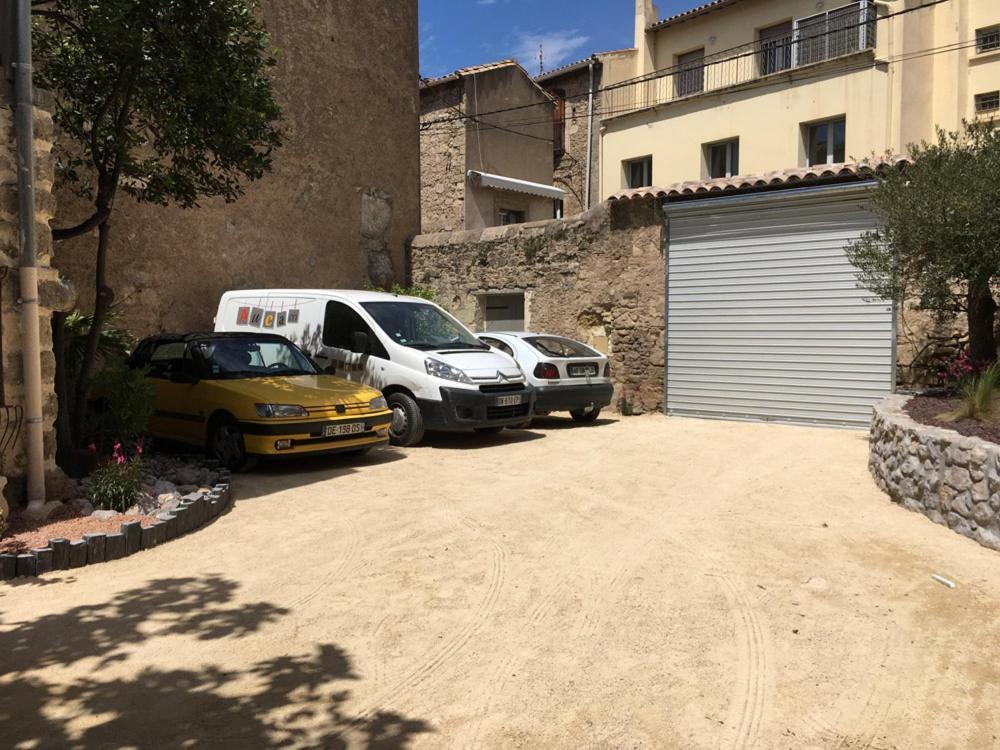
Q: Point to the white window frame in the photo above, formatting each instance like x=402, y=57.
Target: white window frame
x=648, y=171
x=988, y=31
x=728, y=143
x=830, y=151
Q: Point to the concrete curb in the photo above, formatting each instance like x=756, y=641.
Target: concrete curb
x=62, y=554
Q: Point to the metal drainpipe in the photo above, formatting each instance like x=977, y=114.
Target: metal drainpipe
x=30, y=345
x=590, y=136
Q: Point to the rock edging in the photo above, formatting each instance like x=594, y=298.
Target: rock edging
x=194, y=511
x=952, y=479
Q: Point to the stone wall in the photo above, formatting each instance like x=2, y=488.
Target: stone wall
x=597, y=277
x=339, y=206
x=951, y=479
x=54, y=294
x=442, y=159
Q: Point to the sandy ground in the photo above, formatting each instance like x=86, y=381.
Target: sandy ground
x=644, y=583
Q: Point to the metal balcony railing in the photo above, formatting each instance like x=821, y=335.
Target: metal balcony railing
x=824, y=36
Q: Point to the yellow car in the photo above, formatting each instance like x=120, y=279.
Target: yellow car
x=246, y=395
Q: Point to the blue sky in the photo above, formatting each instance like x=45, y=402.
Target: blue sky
x=458, y=33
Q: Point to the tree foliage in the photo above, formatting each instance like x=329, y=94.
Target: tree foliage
x=939, y=240
x=168, y=100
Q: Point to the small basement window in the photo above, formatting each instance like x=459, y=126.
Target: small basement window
x=510, y=216
x=825, y=142
x=638, y=172
x=989, y=102
x=503, y=311
x=987, y=39
x=723, y=159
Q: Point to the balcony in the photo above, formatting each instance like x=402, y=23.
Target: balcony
x=807, y=41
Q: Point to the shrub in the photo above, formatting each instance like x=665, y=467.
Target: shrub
x=116, y=482
x=977, y=394
x=625, y=407
x=961, y=369
x=125, y=404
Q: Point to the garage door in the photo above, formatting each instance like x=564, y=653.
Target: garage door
x=764, y=316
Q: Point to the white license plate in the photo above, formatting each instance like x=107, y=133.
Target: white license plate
x=332, y=430
x=581, y=370
x=508, y=400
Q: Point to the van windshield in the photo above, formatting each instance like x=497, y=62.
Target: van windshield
x=421, y=326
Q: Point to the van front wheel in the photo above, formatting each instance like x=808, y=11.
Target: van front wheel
x=407, y=427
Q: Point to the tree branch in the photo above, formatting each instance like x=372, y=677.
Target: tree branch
x=83, y=227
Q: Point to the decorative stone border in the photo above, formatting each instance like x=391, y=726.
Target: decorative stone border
x=952, y=479
x=195, y=510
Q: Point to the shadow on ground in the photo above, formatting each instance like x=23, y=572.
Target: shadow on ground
x=551, y=422
x=77, y=666
x=469, y=440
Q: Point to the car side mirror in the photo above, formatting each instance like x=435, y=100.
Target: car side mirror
x=359, y=342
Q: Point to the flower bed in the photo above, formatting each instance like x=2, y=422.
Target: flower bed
x=952, y=479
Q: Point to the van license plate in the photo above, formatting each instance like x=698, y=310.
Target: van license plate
x=332, y=430
x=509, y=400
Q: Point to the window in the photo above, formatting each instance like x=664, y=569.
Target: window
x=557, y=208
x=166, y=358
x=836, y=32
x=244, y=357
x=497, y=344
x=775, y=48
x=691, y=72
x=557, y=346
x=421, y=325
x=987, y=102
x=987, y=39
x=503, y=312
x=638, y=172
x=825, y=142
x=340, y=324
x=723, y=159
x=510, y=216
x=559, y=123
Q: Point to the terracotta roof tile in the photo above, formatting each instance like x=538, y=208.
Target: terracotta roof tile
x=782, y=178
x=690, y=13
x=468, y=71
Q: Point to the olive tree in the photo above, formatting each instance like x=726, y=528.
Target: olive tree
x=939, y=238
x=168, y=101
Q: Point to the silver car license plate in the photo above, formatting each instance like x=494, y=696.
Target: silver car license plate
x=508, y=400
x=353, y=428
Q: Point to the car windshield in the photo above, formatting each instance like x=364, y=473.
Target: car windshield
x=240, y=357
x=421, y=326
x=557, y=346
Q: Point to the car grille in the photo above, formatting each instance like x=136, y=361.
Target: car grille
x=507, y=412
x=330, y=410
x=502, y=388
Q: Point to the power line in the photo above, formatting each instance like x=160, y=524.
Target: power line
x=672, y=71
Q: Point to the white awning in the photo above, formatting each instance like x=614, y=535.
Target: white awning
x=484, y=179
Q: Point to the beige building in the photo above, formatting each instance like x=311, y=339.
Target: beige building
x=339, y=207
x=752, y=86
x=485, y=170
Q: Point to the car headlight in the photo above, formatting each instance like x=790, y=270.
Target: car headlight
x=280, y=410
x=378, y=404
x=439, y=369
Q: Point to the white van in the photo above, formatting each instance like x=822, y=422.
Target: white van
x=433, y=371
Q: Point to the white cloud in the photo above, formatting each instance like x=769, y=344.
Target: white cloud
x=558, y=48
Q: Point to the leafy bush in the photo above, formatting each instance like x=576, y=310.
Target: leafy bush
x=125, y=404
x=116, y=482
x=977, y=394
x=961, y=369
x=114, y=342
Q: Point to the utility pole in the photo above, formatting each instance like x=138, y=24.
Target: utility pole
x=541, y=60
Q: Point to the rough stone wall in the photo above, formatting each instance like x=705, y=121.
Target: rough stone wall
x=597, y=277
x=54, y=294
x=340, y=204
x=951, y=479
x=571, y=165
x=442, y=159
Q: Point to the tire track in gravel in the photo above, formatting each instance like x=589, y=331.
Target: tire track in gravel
x=350, y=551
x=751, y=668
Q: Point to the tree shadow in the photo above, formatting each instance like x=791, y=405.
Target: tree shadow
x=61, y=682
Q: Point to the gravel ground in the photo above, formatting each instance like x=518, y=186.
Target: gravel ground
x=24, y=535
x=928, y=409
x=645, y=583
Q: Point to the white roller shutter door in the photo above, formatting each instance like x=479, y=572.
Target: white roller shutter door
x=764, y=316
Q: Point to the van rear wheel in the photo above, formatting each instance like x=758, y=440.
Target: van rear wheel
x=407, y=426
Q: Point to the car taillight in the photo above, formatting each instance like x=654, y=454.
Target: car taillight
x=607, y=369
x=547, y=371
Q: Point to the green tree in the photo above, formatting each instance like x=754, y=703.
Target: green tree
x=939, y=242
x=168, y=101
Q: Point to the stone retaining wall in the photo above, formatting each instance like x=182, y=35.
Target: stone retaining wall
x=952, y=479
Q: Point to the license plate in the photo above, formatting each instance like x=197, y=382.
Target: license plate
x=509, y=400
x=332, y=430
x=581, y=370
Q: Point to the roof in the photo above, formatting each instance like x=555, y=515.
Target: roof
x=779, y=179
x=687, y=15
x=485, y=179
x=579, y=64
x=355, y=295
x=469, y=71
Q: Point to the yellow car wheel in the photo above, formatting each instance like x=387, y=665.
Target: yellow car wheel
x=226, y=445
